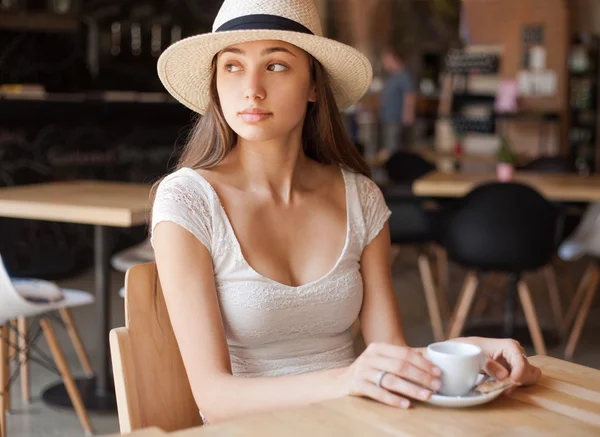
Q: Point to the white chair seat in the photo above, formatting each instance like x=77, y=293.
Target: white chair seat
x=37, y=290
x=572, y=250
x=585, y=240
x=26, y=308
x=70, y=297
x=73, y=298
x=138, y=254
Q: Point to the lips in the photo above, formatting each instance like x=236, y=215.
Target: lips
x=254, y=115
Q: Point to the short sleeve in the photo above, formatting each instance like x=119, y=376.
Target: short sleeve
x=183, y=201
x=375, y=210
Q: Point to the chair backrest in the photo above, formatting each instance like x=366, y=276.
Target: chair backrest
x=409, y=222
x=150, y=379
x=405, y=167
x=503, y=227
x=550, y=164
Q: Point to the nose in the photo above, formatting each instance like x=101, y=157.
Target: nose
x=254, y=87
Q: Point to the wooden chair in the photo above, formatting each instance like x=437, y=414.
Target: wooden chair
x=151, y=383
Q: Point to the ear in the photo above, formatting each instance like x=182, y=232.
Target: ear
x=312, y=94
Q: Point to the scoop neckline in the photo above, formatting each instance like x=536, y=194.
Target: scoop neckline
x=239, y=247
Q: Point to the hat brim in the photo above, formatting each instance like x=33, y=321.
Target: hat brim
x=184, y=68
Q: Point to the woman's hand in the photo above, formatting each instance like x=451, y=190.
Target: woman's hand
x=409, y=375
x=506, y=358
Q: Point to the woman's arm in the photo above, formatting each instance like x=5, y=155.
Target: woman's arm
x=379, y=316
x=187, y=278
x=381, y=322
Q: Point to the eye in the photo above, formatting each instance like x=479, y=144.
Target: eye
x=277, y=67
x=232, y=68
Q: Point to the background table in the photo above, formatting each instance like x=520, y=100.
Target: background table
x=564, y=187
x=103, y=205
x=566, y=402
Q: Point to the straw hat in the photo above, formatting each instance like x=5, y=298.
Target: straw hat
x=184, y=67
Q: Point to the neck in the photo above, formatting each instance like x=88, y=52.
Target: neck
x=272, y=167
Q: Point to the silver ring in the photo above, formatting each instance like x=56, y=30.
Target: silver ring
x=380, y=378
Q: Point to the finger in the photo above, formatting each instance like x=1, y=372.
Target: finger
x=404, y=353
x=382, y=395
x=519, y=367
x=407, y=370
x=398, y=385
x=496, y=370
x=534, y=374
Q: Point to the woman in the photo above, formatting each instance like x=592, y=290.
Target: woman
x=270, y=239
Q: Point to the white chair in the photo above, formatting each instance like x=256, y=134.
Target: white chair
x=13, y=306
x=585, y=240
x=139, y=254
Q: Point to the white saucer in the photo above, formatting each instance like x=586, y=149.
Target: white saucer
x=471, y=399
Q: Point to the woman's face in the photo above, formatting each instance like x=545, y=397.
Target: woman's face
x=264, y=87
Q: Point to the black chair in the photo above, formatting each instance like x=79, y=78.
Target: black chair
x=556, y=165
x=411, y=224
x=508, y=228
x=549, y=164
x=406, y=167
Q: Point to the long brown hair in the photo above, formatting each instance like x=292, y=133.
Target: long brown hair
x=324, y=137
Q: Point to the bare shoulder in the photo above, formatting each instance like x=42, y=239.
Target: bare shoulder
x=219, y=176
x=214, y=174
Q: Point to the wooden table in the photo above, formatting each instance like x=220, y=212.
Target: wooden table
x=563, y=187
x=103, y=205
x=566, y=402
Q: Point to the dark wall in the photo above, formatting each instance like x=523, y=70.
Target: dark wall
x=72, y=132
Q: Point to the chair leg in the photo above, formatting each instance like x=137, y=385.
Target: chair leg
x=582, y=315
x=554, y=293
x=12, y=340
x=463, y=305
x=443, y=279
x=431, y=297
x=3, y=377
x=562, y=275
x=12, y=356
x=24, y=359
x=65, y=313
x=532, y=319
x=68, y=380
x=487, y=292
x=577, y=298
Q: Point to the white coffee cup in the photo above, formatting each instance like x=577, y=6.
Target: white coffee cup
x=460, y=364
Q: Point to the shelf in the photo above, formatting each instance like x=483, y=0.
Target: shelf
x=473, y=98
x=583, y=75
x=465, y=124
x=528, y=115
x=38, y=22
x=103, y=96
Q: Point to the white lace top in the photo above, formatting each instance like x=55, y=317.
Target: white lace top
x=275, y=329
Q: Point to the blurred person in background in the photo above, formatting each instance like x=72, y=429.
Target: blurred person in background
x=397, y=104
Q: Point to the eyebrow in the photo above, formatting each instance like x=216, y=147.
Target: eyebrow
x=265, y=52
